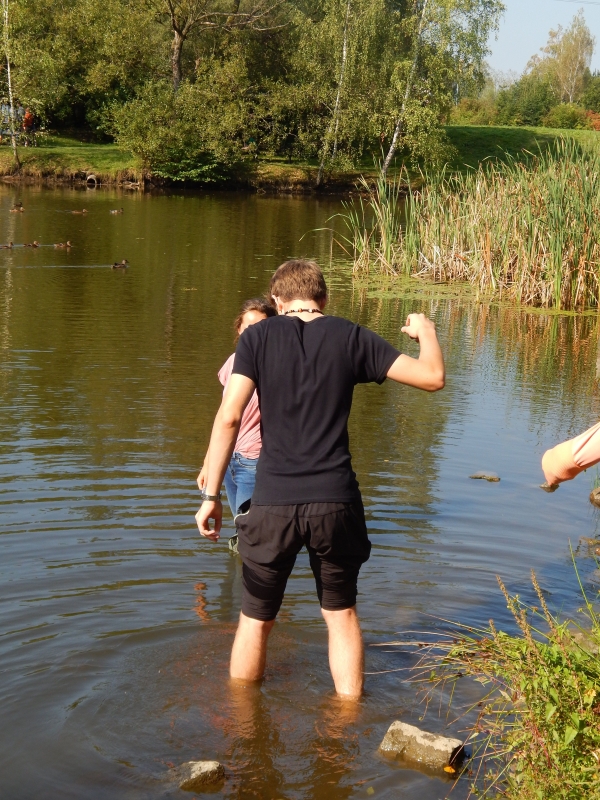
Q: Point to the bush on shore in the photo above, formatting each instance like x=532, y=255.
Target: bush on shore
x=536, y=735
x=161, y=127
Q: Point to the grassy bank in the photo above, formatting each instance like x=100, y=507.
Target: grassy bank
x=64, y=158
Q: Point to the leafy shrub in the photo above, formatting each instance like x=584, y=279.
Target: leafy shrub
x=182, y=136
x=593, y=120
x=471, y=111
x=526, y=101
x=567, y=115
x=537, y=732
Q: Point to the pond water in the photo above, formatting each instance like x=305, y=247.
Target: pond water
x=116, y=621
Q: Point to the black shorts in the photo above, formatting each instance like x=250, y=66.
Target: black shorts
x=270, y=538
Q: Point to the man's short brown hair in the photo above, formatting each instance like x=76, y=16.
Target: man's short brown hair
x=298, y=280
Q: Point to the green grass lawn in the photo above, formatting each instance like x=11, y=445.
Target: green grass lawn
x=476, y=143
x=66, y=157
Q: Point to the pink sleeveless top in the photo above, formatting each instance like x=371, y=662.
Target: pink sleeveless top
x=248, y=442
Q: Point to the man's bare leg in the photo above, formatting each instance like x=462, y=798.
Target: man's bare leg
x=249, y=652
x=346, y=653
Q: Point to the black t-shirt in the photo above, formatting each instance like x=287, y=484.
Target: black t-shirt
x=305, y=374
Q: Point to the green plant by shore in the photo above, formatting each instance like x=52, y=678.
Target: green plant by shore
x=537, y=730
x=525, y=231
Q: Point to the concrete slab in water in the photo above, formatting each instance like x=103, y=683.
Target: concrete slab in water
x=194, y=775
x=425, y=748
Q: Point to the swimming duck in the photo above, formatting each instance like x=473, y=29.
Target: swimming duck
x=32, y=244
x=8, y=246
x=83, y=211
x=122, y=265
x=63, y=244
x=16, y=208
x=116, y=211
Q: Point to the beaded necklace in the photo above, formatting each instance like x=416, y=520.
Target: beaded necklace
x=303, y=311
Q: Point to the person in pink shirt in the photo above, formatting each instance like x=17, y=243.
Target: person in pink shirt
x=565, y=461
x=241, y=472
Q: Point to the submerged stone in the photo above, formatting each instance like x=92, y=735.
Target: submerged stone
x=193, y=775
x=425, y=748
x=485, y=476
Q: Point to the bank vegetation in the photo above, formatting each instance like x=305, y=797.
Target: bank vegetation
x=536, y=728
x=526, y=230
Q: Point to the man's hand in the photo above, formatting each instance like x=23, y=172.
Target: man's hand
x=210, y=509
x=416, y=323
x=427, y=371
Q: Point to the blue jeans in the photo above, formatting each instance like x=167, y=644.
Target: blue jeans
x=239, y=481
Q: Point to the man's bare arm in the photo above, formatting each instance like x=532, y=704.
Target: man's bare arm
x=427, y=371
x=222, y=441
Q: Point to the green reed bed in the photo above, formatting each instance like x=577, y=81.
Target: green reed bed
x=536, y=734
x=526, y=231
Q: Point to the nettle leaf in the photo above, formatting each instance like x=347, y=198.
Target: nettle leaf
x=576, y=720
x=550, y=711
x=570, y=734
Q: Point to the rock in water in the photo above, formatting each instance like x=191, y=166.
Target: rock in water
x=194, y=775
x=425, y=748
x=485, y=476
x=595, y=497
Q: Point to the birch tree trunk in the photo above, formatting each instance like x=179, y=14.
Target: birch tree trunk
x=176, y=48
x=407, y=92
x=333, y=128
x=10, y=91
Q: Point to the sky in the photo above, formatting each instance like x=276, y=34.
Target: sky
x=525, y=25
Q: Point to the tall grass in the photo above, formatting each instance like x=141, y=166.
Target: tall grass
x=527, y=231
x=536, y=735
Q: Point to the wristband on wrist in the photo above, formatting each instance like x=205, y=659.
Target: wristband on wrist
x=212, y=497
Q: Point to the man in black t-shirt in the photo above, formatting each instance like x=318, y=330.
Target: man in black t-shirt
x=304, y=366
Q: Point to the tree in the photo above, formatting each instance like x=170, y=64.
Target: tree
x=334, y=126
x=527, y=101
x=568, y=57
x=591, y=96
x=186, y=16
x=74, y=57
x=448, y=43
x=7, y=55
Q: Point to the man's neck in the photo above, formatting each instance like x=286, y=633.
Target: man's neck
x=307, y=310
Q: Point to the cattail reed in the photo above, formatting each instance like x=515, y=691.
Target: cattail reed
x=526, y=231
